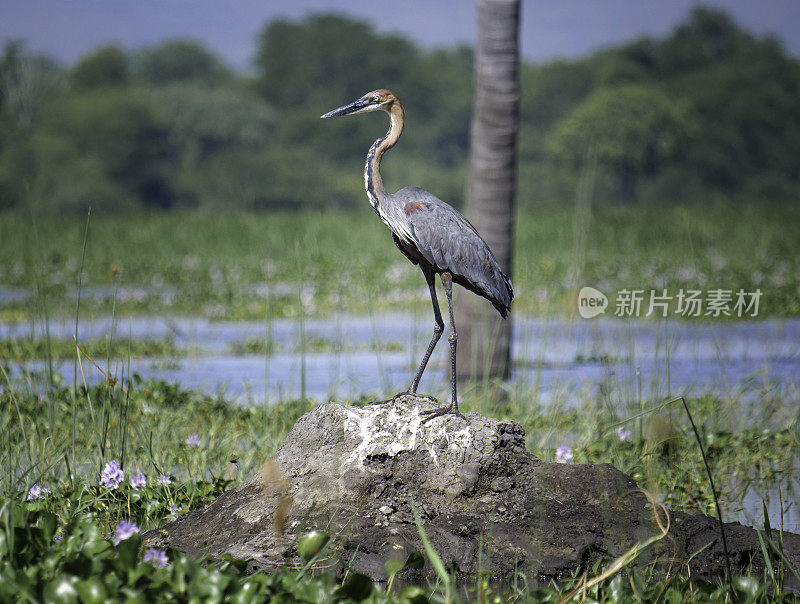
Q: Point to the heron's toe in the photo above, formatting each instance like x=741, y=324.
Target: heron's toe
x=451, y=409
x=391, y=400
x=425, y=397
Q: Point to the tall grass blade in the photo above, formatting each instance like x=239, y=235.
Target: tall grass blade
x=784, y=560
x=77, y=319
x=303, y=344
x=713, y=491
x=432, y=554
x=376, y=345
x=19, y=416
x=767, y=557
x=267, y=345
x=41, y=299
x=91, y=407
x=124, y=423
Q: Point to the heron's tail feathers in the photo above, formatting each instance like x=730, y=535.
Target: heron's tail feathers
x=504, y=295
x=498, y=290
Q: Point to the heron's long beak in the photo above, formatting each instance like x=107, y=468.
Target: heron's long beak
x=359, y=106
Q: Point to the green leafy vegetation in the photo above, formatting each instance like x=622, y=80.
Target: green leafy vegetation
x=708, y=111
x=283, y=264
x=72, y=509
x=20, y=349
x=310, y=344
x=56, y=551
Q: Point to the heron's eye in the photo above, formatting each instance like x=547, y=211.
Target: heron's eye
x=376, y=99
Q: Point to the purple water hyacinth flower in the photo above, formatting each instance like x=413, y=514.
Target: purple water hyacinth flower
x=164, y=480
x=138, y=481
x=157, y=557
x=624, y=434
x=193, y=440
x=563, y=454
x=112, y=475
x=37, y=492
x=124, y=530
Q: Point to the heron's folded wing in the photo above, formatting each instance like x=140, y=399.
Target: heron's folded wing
x=447, y=240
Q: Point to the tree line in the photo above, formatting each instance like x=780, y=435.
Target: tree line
x=707, y=112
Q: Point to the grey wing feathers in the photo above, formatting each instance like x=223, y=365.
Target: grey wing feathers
x=447, y=240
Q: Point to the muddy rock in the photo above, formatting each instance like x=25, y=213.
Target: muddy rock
x=487, y=504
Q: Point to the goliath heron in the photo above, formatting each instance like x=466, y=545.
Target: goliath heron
x=431, y=234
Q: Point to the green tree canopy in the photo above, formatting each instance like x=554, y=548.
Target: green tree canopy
x=177, y=61
x=709, y=110
x=217, y=136
x=709, y=36
x=106, y=66
x=114, y=140
x=308, y=67
x=327, y=57
x=632, y=130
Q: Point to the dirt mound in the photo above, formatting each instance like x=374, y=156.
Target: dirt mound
x=487, y=504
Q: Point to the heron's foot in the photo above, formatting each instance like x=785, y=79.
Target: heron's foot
x=425, y=397
x=406, y=393
x=450, y=409
x=388, y=400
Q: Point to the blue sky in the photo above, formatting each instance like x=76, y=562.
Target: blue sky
x=66, y=29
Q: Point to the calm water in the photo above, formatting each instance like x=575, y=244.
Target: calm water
x=568, y=361
x=350, y=356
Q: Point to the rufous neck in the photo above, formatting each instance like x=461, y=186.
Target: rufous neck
x=372, y=175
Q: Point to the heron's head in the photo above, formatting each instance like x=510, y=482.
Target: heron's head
x=380, y=99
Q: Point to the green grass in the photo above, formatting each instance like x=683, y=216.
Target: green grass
x=64, y=537
x=56, y=552
x=146, y=423
x=20, y=349
x=25, y=349
x=313, y=263
x=310, y=344
x=222, y=266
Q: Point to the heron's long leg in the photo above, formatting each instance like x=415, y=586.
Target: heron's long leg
x=437, y=330
x=447, y=281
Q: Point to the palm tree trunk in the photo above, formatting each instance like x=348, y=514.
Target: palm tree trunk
x=484, y=338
